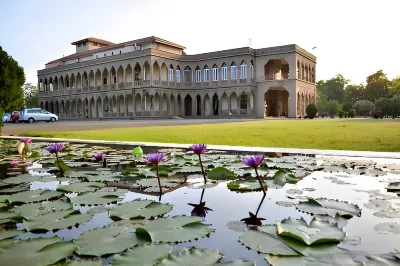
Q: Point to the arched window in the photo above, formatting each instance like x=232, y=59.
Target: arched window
x=215, y=73
x=171, y=73
x=187, y=74
x=178, y=74
x=224, y=72
x=298, y=70
x=233, y=71
x=206, y=74
x=243, y=70
x=198, y=75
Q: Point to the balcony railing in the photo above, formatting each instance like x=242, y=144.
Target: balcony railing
x=277, y=76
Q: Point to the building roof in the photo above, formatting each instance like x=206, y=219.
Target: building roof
x=141, y=41
x=91, y=39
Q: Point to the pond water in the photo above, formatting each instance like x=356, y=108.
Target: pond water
x=372, y=231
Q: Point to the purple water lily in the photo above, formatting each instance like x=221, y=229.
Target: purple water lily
x=26, y=140
x=199, y=149
x=55, y=148
x=255, y=162
x=156, y=158
x=14, y=164
x=99, y=157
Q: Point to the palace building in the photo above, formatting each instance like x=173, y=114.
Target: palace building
x=155, y=78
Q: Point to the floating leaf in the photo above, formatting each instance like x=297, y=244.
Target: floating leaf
x=102, y=196
x=193, y=256
x=139, y=209
x=176, y=229
x=109, y=240
x=96, y=210
x=238, y=263
x=394, y=186
x=81, y=187
x=145, y=255
x=9, y=216
x=15, y=189
x=282, y=177
x=104, y=176
x=266, y=243
x=19, y=179
x=328, y=259
x=245, y=185
x=329, y=207
x=56, y=220
x=4, y=234
x=36, y=252
x=339, y=220
x=237, y=226
x=221, y=173
x=35, y=209
x=34, y=196
x=317, y=232
x=388, y=228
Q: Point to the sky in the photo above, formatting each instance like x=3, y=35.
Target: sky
x=354, y=38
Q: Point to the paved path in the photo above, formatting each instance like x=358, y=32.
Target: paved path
x=17, y=129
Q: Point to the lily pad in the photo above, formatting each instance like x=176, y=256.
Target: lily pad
x=95, y=262
x=56, y=220
x=109, y=240
x=282, y=177
x=238, y=263
x=9, y=216
x=97, y=210
x=139, y=209
x=329, y=207
x=153, y=182
x=388, y=228
x=395, y=186
x=33, y=196
x=81, y=187
x=37, y=252
x=388, y=214
x=329, y=259
x=145, y=255
x=317, y=232
x=221, y=173
x=4, y=234
x=19, y=179
x=245, y=185
x=35, y=209
x=14, y=189
x=193, y=256
x=176, y=229
x=102, y=196
x=264, y=242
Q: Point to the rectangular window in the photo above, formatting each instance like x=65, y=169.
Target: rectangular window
x=233, y=72
x=105, y=82
x=178, y=76
x=224, y=73
x=170, y=74
x=198, y=76
x=243, y=71
x=243, y=103
x=215, y=74
x=206, y=75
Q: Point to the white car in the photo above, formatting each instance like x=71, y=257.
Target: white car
x=37, y=114
x=6, y=118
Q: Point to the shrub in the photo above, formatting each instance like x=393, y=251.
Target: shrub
x=347, y=106
x=341, y=114
x=346, y=114
x=376, y=113
x=363, y=107
x=352, y=113
x=332, y=107
x=311, y=111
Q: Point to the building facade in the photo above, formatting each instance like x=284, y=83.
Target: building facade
x=155, y=78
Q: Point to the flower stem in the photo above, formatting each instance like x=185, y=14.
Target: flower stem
x=259, y=180
x=158, y=178
x=202, y=169
x=59, y=166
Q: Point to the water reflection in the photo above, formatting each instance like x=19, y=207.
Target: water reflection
x=253, y=221
x=200, y=209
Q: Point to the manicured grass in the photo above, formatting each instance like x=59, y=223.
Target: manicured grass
x=337, y=134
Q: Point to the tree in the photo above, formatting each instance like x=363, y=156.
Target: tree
x=377, y=86
x=353, y=93
x=347, y=106
x=384, y=106
x=30, y=95
x=394, y=86
x=333, y=107
x=12, y=78
x=363, y=107
x=332, y=88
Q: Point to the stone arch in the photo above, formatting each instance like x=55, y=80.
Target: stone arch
x=79, y=80
x=172, y=106
x=156, y=102
x=67, y=83
x=207, y=104
x=179, y=104
x=224, y=102
x=276, y=69
x=164, y=72
x=55, y=83
x=146, y=71
x=62, y=83
x=120, y=74
x=138, y=103
x=233, y=102
x=97, y=78
x=72, y=82
x=128, y=74
x=188, y=103
x=73, y=106
x=113, y=76
x=164, y=103
x=57, y=108
x=138, y=72
x=91, y=78
x=198, y=105
x=129, y=102
x=276, y=102
x=187, y=74
x=67, y=108
x=107, y=105
x=105, y=80
x=85, y=82
x=92, y=108
x=298, y=70
x=215, y=104
x=99, y=107
x=156, y=71
x=147, y=102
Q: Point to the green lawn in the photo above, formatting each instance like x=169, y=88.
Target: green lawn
x=356, y=134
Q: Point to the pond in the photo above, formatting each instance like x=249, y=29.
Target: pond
x=75, y=208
